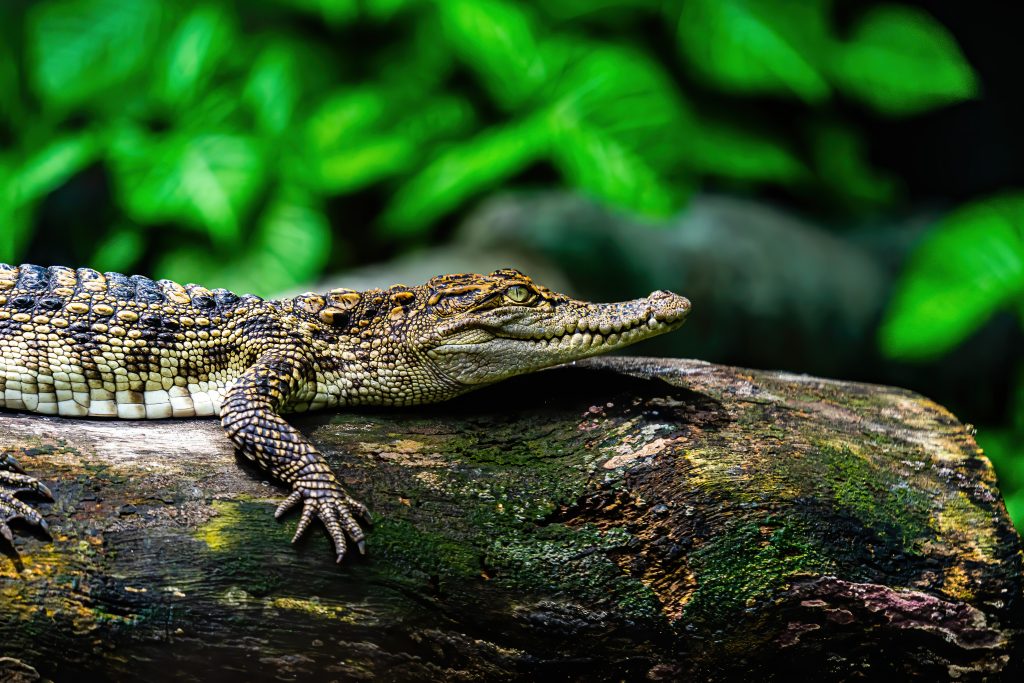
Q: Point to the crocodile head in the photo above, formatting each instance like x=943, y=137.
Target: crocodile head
x=478, y=329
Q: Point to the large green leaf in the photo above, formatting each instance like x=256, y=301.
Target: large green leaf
x=623, y=94
x=23, y=183
x=901, y=61
x=362, y=163
x=349, y=114
x=45, y=170
x=725, y=150
x=464, y=170
x=207, y=180
x=79, y=48
x=272, y=90
x=205, y=35
x=294, y=230
x=1005, y=448
x=968, y=267
x=15, y=216
x=119, y=250
x=384, y=10
x=436, y=118
x=602, y=167
x=360, y=136
x=1017, y=403
x=12, y=104
x=605, y=10
x=496, y=39
x=290, y=246
x=334, y=12
x=758, y=46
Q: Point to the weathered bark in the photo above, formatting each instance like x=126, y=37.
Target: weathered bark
x=622, y=519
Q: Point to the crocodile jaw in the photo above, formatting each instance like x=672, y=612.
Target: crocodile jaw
x=489, y=353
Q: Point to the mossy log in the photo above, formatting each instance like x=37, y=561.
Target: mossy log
x=620, y=519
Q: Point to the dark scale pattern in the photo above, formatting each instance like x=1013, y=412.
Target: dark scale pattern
x=80, y=343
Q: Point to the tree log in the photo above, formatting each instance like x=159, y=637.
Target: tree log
x=620, y=519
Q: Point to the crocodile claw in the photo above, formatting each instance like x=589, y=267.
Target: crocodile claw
x=13, y=481
x=331, y=505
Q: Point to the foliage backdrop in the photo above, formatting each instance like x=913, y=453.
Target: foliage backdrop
x=255, y=144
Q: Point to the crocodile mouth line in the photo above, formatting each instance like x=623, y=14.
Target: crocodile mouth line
x=595, y=332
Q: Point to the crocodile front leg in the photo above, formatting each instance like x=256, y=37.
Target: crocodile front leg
x=250, y=418
x=12, y=482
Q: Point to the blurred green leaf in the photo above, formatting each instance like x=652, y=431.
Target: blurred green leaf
x=363, y=135
x=334, y=12
x=119, y=251
x=207, y=180
x=437, y=118
x=602, y=167
x=758, y=46
x=17, y=221
x=841, y=162
x=23, y=183
x=901, y=61
x=272, y=89
x=968, y=267
x=362, y=163
x=15, y=216
x=497, y=40
x=1017, y=403
x=625, y=95
x=290, y=246
x=80, y=48
x=384, y=10
x=608, y=10
x=720, y=149
x=1005, y=448
x=12, y=104
x=348, y=114
x=201, y=39
x=294, y=231
x=464, y=170
x=50, y=167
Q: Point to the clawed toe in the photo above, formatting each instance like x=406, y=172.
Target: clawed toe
x=13, y=481
x=334, y=508
x=13, y=508
x=16, y=482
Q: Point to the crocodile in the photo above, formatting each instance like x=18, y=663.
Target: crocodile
x=81, y=343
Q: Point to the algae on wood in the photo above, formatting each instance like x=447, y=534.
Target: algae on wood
x=620, y=519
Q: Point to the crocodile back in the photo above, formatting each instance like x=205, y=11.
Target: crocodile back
x=84, y=343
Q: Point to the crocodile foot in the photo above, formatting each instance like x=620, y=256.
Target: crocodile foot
x=328, y=501
x=12, y=482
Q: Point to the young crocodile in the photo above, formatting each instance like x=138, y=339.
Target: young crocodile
x=79, y=343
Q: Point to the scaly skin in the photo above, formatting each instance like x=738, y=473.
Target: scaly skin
x=88, y=344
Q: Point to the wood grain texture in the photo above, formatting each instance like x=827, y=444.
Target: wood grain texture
x=620, y=519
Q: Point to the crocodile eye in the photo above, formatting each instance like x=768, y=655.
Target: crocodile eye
x=517, y=293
